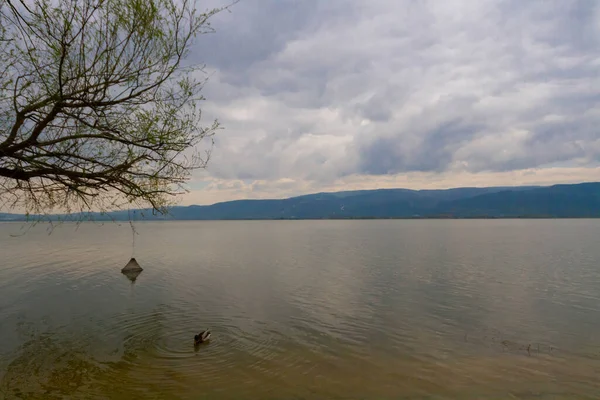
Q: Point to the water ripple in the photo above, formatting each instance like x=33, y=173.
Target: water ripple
x=303, y=310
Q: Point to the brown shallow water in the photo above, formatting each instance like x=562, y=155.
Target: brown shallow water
x=303, y=310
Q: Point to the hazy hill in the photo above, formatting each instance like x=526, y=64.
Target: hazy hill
x=562, y=201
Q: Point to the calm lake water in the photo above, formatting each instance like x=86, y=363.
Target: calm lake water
x=303, y=310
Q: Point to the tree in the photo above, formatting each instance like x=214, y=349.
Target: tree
x=98, y=109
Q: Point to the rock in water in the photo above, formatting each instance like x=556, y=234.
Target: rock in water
x=132, y=275
x=132, y=266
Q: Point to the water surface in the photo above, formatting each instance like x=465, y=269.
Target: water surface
x=489, y=309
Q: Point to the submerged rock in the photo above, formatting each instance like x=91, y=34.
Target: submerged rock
x=132, y=266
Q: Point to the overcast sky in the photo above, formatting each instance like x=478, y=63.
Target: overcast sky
x=323, y=95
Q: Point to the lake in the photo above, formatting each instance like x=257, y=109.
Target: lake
x=394, y=309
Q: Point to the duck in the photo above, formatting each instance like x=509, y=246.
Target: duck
x=202, y=337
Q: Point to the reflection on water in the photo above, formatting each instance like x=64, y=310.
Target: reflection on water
x=132, y=275
x=303, y=309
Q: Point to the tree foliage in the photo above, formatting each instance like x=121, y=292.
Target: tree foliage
x=97, y=106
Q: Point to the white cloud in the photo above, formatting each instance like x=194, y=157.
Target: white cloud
x=329, y=95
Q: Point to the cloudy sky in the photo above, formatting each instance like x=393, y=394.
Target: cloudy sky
x=324, y=95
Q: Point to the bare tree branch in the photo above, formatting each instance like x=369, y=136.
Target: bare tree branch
x=96, y=109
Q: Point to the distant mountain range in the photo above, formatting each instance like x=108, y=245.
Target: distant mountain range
x=558, y=201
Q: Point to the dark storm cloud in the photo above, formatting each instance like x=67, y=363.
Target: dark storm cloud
x=434, y=153
x=253, y=32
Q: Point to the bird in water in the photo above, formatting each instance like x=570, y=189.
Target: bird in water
x=202, y=337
